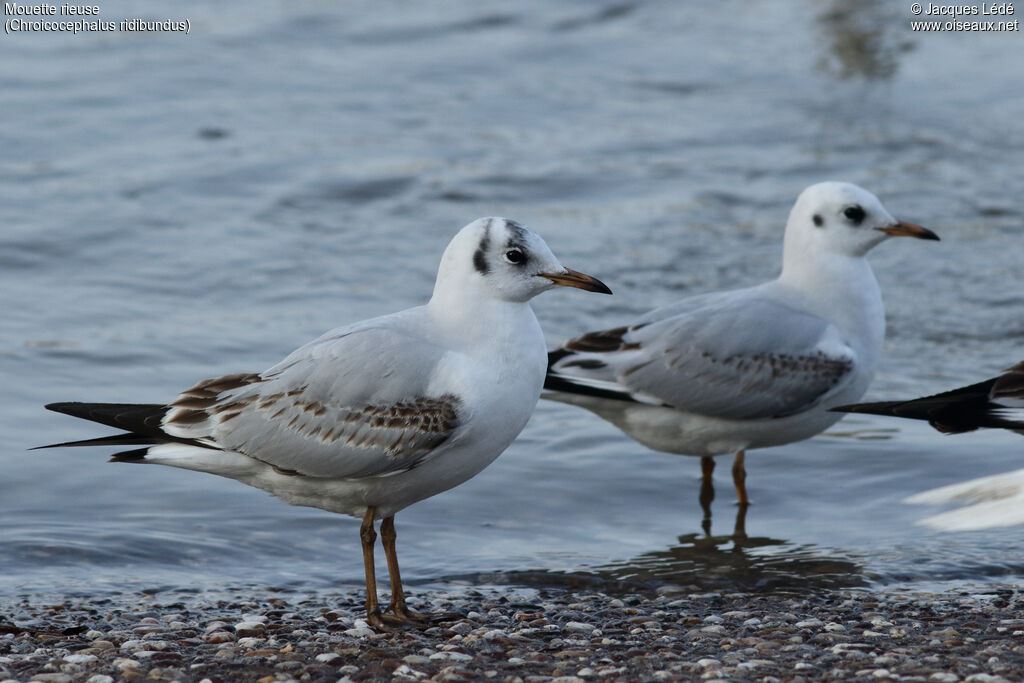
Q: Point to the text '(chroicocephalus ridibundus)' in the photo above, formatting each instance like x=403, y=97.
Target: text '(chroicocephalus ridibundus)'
x=729, y=371
x=996, y=403
x=374, y=416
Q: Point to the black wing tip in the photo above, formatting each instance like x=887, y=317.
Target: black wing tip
x=65, y=407
x=555, y=355
x=133, y=456
x=562, y=385
x=880, y=408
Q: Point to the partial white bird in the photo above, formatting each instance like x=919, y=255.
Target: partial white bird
x=989, y=502
x=729, y=371
x=377, y=415
x=997, y=402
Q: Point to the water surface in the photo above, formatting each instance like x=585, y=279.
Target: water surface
x=177, y=207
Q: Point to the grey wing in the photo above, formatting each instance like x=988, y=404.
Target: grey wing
x=350, y=404
x=742, y=358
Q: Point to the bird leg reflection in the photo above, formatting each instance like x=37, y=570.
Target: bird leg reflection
x=707, y=491
x=739, y=477
x=739, y=531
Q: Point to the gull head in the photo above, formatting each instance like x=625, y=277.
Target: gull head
x=845, y=219
x=505, y=260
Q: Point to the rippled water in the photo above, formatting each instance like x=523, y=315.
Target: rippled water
x=176, y=207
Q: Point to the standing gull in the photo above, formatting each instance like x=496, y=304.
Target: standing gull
x=377, y=415
x=729, y=371
x=996, y=402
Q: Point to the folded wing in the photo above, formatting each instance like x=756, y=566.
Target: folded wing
x=741, y=358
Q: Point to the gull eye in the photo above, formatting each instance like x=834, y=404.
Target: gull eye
x=515, y=257
x=854, y=213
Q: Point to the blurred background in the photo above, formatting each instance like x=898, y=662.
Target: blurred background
x=180, y=206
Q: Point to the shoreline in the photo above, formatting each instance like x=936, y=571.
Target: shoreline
x=509, y=633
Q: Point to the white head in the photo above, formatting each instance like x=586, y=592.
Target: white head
x=504, y=260
x=841, y=218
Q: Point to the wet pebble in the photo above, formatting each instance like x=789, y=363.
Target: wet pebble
x=527, y=635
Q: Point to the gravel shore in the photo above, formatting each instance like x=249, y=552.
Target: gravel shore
x=520, y=634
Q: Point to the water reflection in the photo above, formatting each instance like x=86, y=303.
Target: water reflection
x=703, y=561
x=861, y=43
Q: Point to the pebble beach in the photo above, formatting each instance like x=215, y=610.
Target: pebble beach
x=514, y=634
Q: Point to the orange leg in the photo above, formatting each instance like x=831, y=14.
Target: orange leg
x=399, y=612
x=368, y=537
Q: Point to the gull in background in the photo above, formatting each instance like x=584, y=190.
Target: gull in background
x=993, y=501
x=725, y=372
x=997, y=402
x=377, y=415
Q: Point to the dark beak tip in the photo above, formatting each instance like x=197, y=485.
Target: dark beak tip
x=574, y=278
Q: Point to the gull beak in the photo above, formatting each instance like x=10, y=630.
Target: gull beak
x=574, y=278
x=904, y=229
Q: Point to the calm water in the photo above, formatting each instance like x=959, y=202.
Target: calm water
x=174, y=207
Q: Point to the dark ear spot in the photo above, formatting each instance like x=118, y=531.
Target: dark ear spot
x=818, y=220
x=480, y=262
x=480, y=255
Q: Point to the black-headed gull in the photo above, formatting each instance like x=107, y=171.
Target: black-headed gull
x=997, y=402
x=729, y=371
x=374, y=416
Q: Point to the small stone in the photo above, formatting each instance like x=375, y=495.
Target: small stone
x=452, y=656
x=579, y=627
x=100, y=678
x=125, y=663
x=405, y=671
x=809, y=623
x=329, y=658
x=249, y=628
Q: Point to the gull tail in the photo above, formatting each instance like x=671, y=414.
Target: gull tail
x=556, y=381
x=952, y=412
x=141, y=422
x=589, y=387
